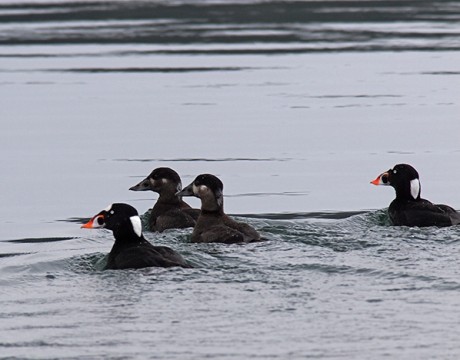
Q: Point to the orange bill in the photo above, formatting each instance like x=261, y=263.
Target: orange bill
x=94, y=222
x=382, y=179
x=376, y=181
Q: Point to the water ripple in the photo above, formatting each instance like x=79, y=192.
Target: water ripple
x=240, y=28
x=206, y=160
x=149, y=69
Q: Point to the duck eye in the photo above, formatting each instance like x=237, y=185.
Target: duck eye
x=385, y=179
x=394, y=171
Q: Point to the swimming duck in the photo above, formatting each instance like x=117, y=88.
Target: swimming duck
x=170, y=211
x=213, y=225
x=409, y=208
x=131, y=250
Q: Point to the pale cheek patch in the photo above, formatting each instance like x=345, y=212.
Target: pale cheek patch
x=415, y=188
x=137, y=225
x=199, y=190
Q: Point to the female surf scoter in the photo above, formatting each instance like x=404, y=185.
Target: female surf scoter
x=409, y=208
x=213, y=225
x=170, y=211
x=131, y=250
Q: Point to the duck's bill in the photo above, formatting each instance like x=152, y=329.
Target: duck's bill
x=382, y=179
x=187, y=191
x=144, y=185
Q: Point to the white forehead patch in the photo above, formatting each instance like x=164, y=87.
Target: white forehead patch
x=415, y=188
x=137, y=225
x=108, y=208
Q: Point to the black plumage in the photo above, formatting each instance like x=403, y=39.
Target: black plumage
x=131, y=250
x=408, y=208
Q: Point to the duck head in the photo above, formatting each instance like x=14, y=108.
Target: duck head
x=404, y=179
x=209, y=189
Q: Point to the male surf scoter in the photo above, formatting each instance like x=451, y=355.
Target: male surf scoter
x=131, y=250
x=170, y=211
x=409, y=208
x=213, y=225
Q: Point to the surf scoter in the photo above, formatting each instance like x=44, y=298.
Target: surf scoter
x=131, y=250
x=409, y=208
x=170, y=211
x=213, y=225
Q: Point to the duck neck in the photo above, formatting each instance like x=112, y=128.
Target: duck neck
x=125, y=234
x=411, y=191
x=169, y=198
x=216, y=212
x=211, y=205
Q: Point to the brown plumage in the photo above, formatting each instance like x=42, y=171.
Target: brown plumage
x=213, y=225
x=169, y=211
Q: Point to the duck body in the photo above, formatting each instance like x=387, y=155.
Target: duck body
x=422, y=213
x=169, y=211
x=408, y=208
x=143, y=255
x=213, y=225
x=172, y=214
x=216, y=227
x=131, y=250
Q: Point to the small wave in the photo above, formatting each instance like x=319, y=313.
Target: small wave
x=38, y=240
x=77, y=220
x=285, y=193
x=302, y=215
x=148, y=70
x=6, y=255
x=207, y=160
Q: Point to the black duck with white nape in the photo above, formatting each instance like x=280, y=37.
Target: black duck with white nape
x=408, y=208
x=131, y=250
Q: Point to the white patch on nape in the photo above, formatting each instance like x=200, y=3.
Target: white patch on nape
x=137, y=225
x=220, y=199
x=415, y=188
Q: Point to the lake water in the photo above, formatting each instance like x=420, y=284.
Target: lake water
x=296, y=106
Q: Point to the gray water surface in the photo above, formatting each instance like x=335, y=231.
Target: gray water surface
x=296, y=106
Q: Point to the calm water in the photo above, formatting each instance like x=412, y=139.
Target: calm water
x=296, y=106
